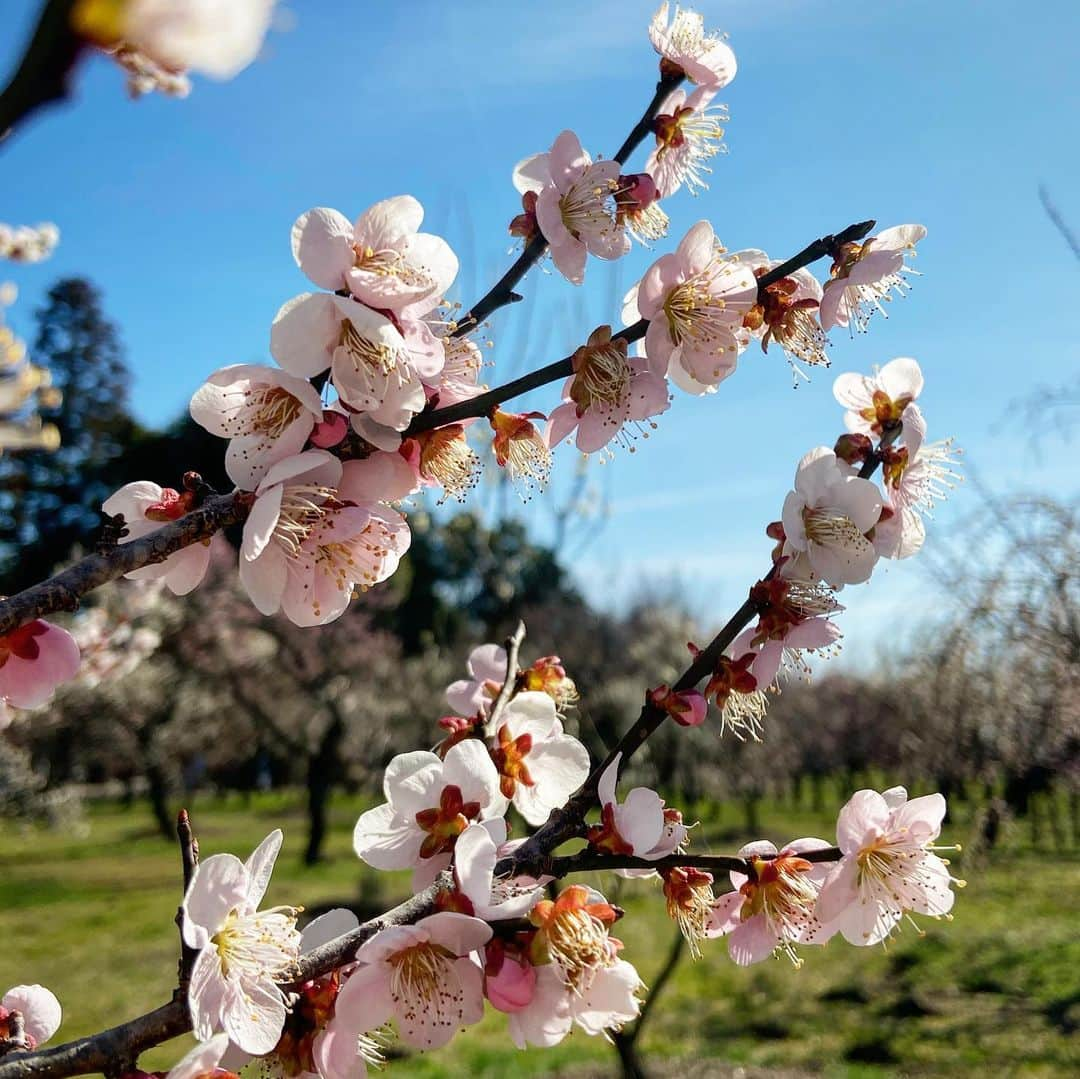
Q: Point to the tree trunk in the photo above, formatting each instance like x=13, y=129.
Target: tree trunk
x=322, y=771
x=628, y=1059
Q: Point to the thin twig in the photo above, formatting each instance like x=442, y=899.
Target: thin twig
x=506, y=691
x=189, y=860
x=44, y=72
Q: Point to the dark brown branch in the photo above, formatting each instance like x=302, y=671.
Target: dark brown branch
x=593, y=861
x=100, y=1052
x=644, y=126
x=44, y=72
x=513, y=647
x=483, y=404
x=827, y=245
x=189, y=860
x=63, y=591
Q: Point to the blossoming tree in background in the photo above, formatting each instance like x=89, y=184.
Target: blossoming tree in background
x=376, y=398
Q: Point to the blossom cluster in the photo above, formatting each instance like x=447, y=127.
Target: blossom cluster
x=28, y=243
x=495, y=936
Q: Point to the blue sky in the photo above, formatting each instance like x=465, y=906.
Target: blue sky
x=946, y=114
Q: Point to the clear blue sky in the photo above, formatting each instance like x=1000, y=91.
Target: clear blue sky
x=947, y=114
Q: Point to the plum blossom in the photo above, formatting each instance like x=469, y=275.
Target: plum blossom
x=916, y=476
x=539, y=765
x=786, y=312
x=509, y=978
x=637, y=208
x=425, y=977
x=688, y=135
x=443, y=458
x=579, y=975
x=202, y=1062
x=242, y=952
x=689, y=899
x=685, y=47
x=520, y=448
x=27, y=243
x=487, y=673
x=382, y=258
x=773, y=909
x=888, y=868
x=885, y=398
x=146, y=507
x=575, y=204
x=38, y=1010
x=429, y=803
x=217, y=39
x=372, y=367
x=695, y=300
x=34, y=660
x=737, y=692
x=865, y=275
x=640, y=826
x=476, y=854
x=606, y=394
x=316, y=532
x=827, y=517
x=267, y=415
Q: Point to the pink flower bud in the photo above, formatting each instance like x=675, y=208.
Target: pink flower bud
x=329, y=431
x=511, y=987
x=688, y=707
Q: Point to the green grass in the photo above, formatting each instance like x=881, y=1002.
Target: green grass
x=994, y=992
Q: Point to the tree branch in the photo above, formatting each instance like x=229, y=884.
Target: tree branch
x=189, y=860
x=513, y=647
x=63, y=591
x=45, y=69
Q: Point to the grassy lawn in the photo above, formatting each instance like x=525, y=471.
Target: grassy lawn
x=995, y=992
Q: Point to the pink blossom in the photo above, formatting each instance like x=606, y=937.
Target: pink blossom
x=606, y=394
x=695, y=300
x=429, y=803
x=487, y=672
x=774, y=909
x=202, y=1062
x=34, y=660
x=267, y=415
x=539, y=765
x=916, y=476
x=40, y=1011
x=688, y=135
x=888, y=866
x=883, y=398
x=816, y=634
x=579, y=976
x=864, y=277
x=509, y=980
x=786, y=312
x=828, y=515
x=476, y=854
x=687, y=707
x=426, y=977
x=146, y=507
x=575, y=206
x=217, y=39
x=372, y=367
x=639, y=826
x=242, y=952
x=686, y=46
x=382, y=259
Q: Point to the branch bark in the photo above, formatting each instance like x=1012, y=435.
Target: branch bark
x=44, y=72
x=63, y=591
